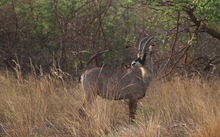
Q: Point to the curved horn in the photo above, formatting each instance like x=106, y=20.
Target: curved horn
x=140, y=43
x=146, y=43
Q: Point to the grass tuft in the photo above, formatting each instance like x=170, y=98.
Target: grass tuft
x=47, y=106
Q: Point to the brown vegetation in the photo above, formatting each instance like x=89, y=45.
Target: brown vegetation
x=46, y=106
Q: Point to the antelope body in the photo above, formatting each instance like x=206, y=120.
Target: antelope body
x=119, y=84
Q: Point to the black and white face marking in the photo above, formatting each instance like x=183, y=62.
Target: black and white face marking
x=139, y=61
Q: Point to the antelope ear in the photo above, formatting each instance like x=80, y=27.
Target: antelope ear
x=151, y=49
x=146, y=43
x=138, y=55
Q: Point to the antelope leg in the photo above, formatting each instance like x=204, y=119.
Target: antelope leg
x=132, y=107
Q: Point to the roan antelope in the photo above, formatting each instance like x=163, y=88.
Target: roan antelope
x=118, y=84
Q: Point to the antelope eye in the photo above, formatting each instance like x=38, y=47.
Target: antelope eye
x=133, y=63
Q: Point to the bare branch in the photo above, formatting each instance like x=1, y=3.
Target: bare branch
x=198, y=23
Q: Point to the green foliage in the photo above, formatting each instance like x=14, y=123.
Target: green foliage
x=61, y=30
x=208, y=10
x=205, y=10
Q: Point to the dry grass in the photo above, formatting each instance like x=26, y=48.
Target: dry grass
x=46, y=106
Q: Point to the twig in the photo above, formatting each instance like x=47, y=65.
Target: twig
x=174, y=42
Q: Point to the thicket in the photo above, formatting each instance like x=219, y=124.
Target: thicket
x=73, y=35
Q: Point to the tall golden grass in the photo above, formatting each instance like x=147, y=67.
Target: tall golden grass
x=46, y=106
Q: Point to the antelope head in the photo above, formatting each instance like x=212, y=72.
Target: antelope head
x=144, y=55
